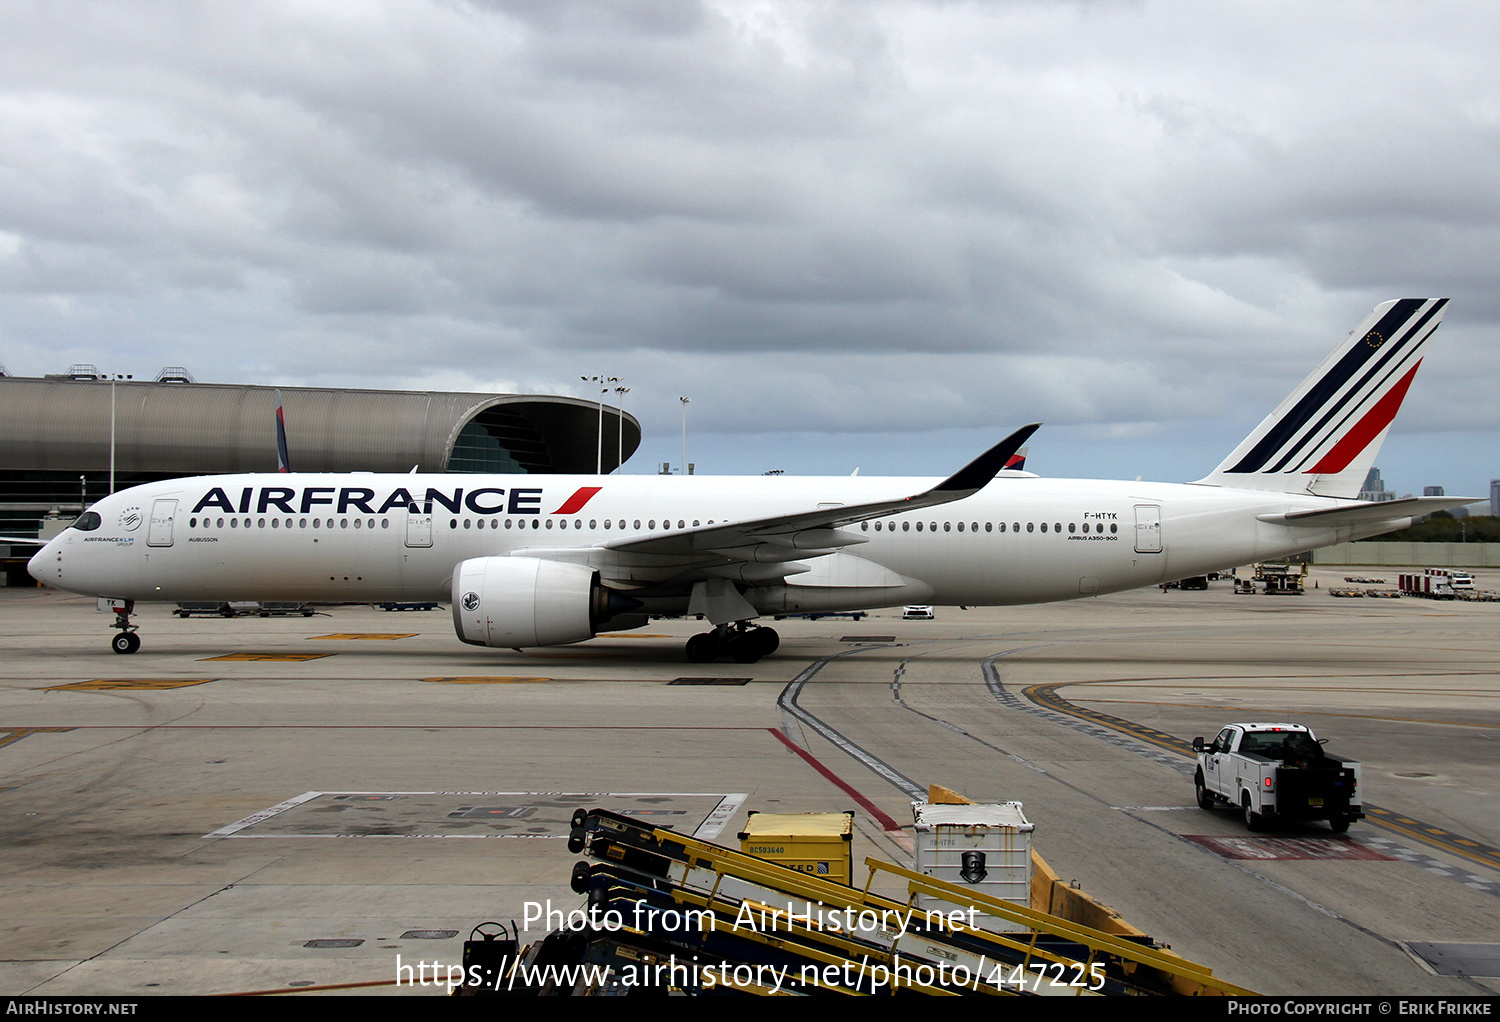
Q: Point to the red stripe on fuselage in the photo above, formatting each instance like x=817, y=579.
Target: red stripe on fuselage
x=1357, y=439
x=575, y=503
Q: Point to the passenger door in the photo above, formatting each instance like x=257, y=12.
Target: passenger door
x=418, y=527
x=1148, y=529
x=159, y=532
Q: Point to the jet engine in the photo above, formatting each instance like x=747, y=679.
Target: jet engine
x=523, y=601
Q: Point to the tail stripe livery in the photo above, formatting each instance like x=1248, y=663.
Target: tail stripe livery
x=1366, y=430
x=1393, y=359
x=1321, y=395
x=1324, y=436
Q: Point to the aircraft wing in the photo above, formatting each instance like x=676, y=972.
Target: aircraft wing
x=812, y=533
x=1370, y=511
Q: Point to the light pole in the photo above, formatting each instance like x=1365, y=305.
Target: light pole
x=603, y=382
x=620, y=432
x=682, y=469
x=112, y=378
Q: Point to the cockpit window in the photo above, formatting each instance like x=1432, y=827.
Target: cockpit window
x=87, y=522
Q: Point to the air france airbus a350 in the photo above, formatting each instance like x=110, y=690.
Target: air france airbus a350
x=544, y=560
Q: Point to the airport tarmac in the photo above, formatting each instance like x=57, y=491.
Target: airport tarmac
x=288, y=803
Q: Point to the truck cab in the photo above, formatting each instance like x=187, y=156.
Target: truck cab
x=1276, y=771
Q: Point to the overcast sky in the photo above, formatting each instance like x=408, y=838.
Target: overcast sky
x=863, y=234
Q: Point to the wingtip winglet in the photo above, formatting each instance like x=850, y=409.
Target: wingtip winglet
x=977, y=474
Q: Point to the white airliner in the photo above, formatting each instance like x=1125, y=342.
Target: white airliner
x=533, y=560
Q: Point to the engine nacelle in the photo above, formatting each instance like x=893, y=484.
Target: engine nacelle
x=523, y=601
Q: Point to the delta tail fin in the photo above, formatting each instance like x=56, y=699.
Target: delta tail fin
x=1324, y=437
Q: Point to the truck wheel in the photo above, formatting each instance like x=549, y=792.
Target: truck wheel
x=1205, y=800
x=1339, y=824
x=1253, y=820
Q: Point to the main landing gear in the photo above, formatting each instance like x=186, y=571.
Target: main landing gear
x=740, y=641
x=127, y=641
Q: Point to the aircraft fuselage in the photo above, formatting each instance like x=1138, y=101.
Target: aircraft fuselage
x=371, y=538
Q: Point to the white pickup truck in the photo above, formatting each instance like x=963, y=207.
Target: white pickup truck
x=1277, y=772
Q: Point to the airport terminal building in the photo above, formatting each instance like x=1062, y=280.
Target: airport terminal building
x=64, y=437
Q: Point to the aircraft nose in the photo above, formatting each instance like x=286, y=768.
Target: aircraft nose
x=36, y=565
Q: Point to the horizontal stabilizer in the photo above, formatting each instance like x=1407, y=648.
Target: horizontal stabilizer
x=1368, y=513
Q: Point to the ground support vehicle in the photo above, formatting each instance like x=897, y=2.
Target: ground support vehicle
x=694, y=917
x=1282, y=579
x=1276, y=771
x=243, y=607
x=1434, y=584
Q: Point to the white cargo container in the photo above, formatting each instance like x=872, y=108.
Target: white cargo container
x=983, y=846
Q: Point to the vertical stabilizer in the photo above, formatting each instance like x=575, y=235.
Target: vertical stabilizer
x=1324, y=437
x=283, y=463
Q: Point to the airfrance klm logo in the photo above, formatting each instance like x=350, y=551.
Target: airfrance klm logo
x=291, y=500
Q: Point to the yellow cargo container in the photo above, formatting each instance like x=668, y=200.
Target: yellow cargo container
x=816, y=843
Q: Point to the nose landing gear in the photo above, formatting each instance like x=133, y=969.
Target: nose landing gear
x=127, y=641
x=740, y=641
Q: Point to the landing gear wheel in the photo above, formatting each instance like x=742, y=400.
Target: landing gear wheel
x=1205, y=800
x=126, y=641
x=1253, y=820
x=769, y=641
x=1339, y=824
x=745, y=649
x=702, y=648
